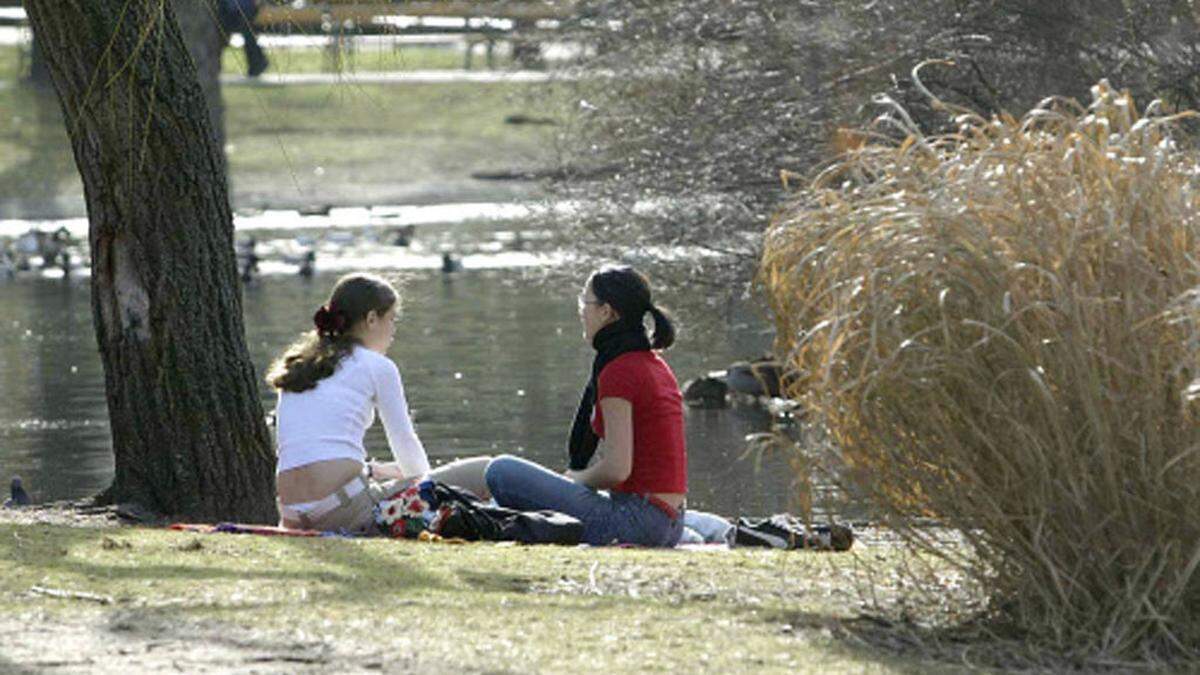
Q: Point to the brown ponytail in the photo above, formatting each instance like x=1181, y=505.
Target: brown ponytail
x=316, y=355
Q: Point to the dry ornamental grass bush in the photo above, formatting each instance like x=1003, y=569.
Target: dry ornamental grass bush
x=999, y=328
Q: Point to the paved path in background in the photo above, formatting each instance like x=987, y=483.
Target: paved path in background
x=393, y=77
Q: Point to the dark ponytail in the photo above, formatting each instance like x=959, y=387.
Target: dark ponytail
x=664, y=328
x=628, y=292
x=316, y=355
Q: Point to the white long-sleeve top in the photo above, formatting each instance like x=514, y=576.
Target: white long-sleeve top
x=330, y=420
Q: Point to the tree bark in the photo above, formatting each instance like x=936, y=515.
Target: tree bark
x=39, y=73
x=188, y=432
x=205, y=42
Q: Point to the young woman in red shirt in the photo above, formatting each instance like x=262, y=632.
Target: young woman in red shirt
x=631, y=488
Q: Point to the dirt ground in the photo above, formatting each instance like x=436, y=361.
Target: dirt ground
x=127, y=641
x=142, y=640
x=131, y=643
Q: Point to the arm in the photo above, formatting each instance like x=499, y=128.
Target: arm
x=616, y=462
x=411, y=461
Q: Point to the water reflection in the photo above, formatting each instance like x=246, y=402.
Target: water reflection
x=53, y=420
x=492, y=360
x=38, y=177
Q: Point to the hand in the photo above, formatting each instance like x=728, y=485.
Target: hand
x=381, y=471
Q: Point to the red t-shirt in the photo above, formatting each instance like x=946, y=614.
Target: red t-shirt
x=659, y=446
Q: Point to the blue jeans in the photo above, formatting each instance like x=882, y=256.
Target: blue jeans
x=616, y=518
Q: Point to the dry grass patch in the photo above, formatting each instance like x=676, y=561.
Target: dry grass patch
x=998, y=328
x=226, y=602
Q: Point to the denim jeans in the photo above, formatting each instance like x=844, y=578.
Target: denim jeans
x=616, y=518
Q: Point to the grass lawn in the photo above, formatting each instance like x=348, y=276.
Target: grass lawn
x=13, y=62
x=297, y=145
x=379, y=144
x=366, y=604
x=331, y=134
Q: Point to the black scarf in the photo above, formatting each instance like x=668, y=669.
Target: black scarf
x=610, y=342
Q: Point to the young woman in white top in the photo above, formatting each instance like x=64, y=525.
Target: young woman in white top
x=331, y=383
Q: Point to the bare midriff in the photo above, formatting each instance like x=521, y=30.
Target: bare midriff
x=675, y=499
x=315, y=481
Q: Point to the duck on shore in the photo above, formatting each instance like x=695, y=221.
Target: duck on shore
x=28, y=246
x=247, y=257
x=8, y=262
x=762, y=377
x=306, y=263
x=53, y=249
x=450, y=263
x=402, y=235
x=708, y=392
x=19, y=497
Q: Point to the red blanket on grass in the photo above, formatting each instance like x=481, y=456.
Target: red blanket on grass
x=239, y=528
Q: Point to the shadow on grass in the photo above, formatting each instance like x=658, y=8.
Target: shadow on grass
x=955, y=648
x=497, y=583
x=9, y=666
x=158, y=625
x=323, y=573
x=351, y=563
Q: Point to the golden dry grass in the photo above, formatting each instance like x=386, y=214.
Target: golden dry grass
x=998, y=328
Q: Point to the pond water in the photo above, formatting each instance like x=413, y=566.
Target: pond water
x=492, y=357
x=492, y=361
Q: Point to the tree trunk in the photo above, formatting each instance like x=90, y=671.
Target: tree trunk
x=205, y=42
x=187, y=424
x=39, y=73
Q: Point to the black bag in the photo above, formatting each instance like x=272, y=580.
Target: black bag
x=787, y=532
x=463, y=515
